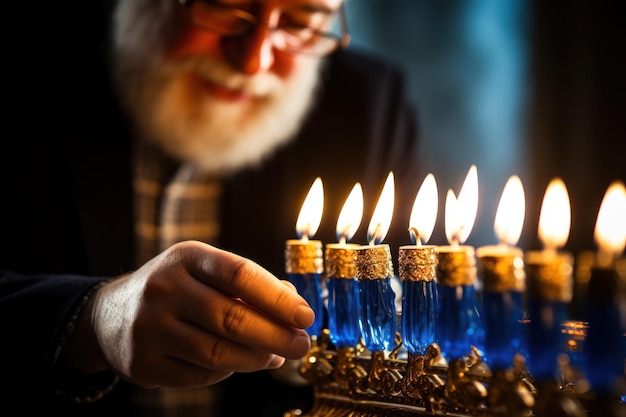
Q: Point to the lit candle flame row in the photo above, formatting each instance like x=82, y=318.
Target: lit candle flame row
x=350, y=217
x=460, y=213
x=421, y=222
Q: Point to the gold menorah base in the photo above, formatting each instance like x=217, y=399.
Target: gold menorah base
x=355, y=382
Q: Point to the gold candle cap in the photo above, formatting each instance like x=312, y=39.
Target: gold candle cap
x=373, y=262
x=341, y=260
x=304, y=257
x=502, y=268
x=549, y=276
x=417, y=263
x=457, y=265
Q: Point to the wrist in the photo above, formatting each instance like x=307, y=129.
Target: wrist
x=81, y=353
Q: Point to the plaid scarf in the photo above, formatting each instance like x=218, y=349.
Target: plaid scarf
x=173, y=202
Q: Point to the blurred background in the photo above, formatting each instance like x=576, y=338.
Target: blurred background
x=521, y=87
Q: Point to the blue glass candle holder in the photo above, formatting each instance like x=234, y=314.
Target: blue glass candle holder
x=549, y=291
x=343, y=294
x=377, y=320
x=460, y=325
x=604, y=345
x=417, y=269
x=503, y=277
x=304, y=264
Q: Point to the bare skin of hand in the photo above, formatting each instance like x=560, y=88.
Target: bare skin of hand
x=191, y=317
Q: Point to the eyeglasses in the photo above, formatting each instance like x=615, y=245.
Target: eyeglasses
x=298, y=31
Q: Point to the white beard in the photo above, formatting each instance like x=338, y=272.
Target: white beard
x=193, y=126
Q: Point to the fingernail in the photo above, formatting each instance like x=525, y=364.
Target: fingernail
x=300, y=346
x=303, y=316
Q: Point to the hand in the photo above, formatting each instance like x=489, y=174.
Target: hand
x=195, y=314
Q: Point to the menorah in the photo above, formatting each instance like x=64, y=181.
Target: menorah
x=368, y=362
x=478, y=333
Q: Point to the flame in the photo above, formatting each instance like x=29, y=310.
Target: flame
x=381, y=219
x=452, y=217
x=424, y=212
x=510, y=214
x=351, y=214
x=311, y=212
x=610, y=230
x=555, y=216
x=461, y=212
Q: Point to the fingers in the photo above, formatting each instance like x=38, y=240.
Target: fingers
x=210, y=351
x=244, y=279
x=239, y=322
x=178, y=354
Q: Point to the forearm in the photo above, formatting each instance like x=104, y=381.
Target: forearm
x=38, y=315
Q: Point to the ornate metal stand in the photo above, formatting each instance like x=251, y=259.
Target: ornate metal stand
x=354, y=382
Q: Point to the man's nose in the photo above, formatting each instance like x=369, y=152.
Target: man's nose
x=252, y=52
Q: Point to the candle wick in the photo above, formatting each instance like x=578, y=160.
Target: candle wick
x=456, y=236
x=415, y=236
x=454, y=241
x=305, y=237
x=375, y=234
x=343, y=234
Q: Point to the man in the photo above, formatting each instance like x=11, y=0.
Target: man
x=224, y=113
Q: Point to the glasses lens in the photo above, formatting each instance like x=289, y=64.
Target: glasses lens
x=305, y=40
x=312, y=31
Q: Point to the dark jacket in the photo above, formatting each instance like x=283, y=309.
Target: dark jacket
x=66, y=207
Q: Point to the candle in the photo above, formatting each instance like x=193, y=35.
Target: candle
x=374, y=269
x=549, y=283
x=502, y=269
x=459, y=323
x=417, y=268
x=343, y=292
x=605, y=337
x=304, y=263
